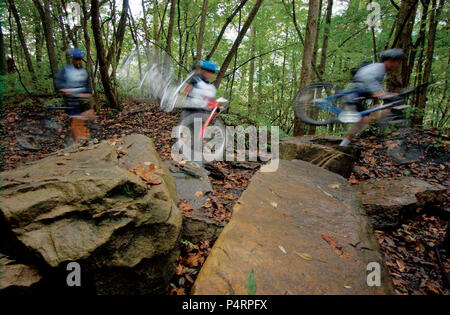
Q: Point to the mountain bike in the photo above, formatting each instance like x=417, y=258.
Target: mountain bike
x=204, y=132
x=321, y=104
x=42, y=128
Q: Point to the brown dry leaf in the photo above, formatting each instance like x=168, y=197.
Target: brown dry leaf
x=229, y=197
x=401, y=265
x=228, y=186
x=180, y=270
x=193, y=260
x=433, y=289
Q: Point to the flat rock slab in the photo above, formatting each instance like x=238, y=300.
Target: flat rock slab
x=192, y=182
x=193, y=186
x=301, y=230
x=389, y=202
x=89, y=206
x=16, y=277
x=323, y=151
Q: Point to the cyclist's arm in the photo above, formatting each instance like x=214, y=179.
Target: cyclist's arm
x=187, y=90
x=383, y=94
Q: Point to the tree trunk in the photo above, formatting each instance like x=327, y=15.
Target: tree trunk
x=421, y=42
x=39, y=40
x=3, y=67
x=22, y=40
x=87, y=40
x=305, y=76
x=224, y=27
x=434, y=20
x=201, y=31
x=251, y=76
x=326, y=35
x=101, y=55
x=405, y=23
x=237, y=42
x=45, y=14
x=316, y=40
x=170, y=27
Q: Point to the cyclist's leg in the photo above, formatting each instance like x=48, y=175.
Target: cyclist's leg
x=359, y=126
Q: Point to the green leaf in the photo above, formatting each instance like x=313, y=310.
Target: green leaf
x=251, y=283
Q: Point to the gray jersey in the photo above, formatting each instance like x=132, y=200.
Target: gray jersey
x=370, y=78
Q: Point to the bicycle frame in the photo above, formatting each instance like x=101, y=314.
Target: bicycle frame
x=326, y=104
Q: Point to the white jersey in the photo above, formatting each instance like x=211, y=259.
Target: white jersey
x=201, y=94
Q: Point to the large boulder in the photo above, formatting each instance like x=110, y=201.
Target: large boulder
x=389, y=202
x=111, y=207
x=323, y=151
x=301, y=230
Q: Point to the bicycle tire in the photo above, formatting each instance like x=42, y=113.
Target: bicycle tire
x=189, y=122
x=305, y=105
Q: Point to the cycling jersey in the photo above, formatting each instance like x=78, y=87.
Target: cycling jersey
x=70, y=77
x=202, y=92
x=370, y=78
x=367, y=81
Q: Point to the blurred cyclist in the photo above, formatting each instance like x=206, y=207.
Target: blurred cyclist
x=200, y=91
x=368, y=80
x=73, y=81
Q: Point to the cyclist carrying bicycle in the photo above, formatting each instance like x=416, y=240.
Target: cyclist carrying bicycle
x=73, y=81
x=368, y=80
x=200, y=91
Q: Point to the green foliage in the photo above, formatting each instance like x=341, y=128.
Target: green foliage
x=277, y=48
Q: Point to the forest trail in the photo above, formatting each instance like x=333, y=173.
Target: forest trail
x=409, y=249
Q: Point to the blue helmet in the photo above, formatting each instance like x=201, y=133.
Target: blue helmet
x=209, y=66
x=76, y=53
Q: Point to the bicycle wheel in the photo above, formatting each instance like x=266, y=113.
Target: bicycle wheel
x=313, y=109
x=210, y=146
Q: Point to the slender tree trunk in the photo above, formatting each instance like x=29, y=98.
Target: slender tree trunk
x=101, y=55
x=434, y=20
x=201, y=30
x=224, y=27
x=305, y=76
x=421, y=42
x=326, y=35
x=237, y=42
x=3, y=67
x=316, y=40
x=405, y=23
x=39, y=40
x=87, y=41
x=170, y=27
x=251, y=76
x=45, y=14
x=22, y=40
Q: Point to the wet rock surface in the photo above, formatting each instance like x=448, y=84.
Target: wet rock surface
x=301, y=230
x=91, y=206
x=323, y=151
